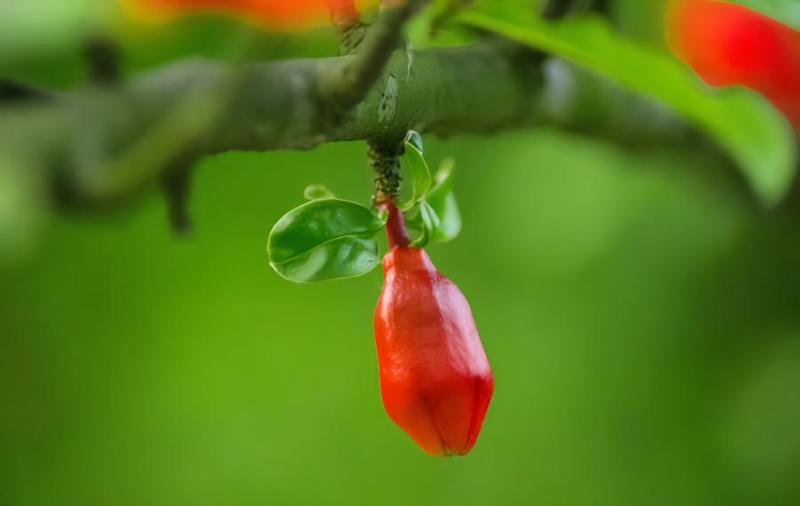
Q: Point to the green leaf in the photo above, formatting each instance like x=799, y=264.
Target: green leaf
x=428, y=222
x=785, y=11
x=756, y=136
x=420, y=173
x=415, y=139
x=317, y=192
x=442, y=200
x=324, y=239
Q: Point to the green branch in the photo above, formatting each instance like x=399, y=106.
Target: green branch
x=102, y=145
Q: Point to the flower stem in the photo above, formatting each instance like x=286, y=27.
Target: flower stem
x=396, y=232
x=385, y=161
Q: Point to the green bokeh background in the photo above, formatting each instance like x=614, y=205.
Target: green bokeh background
x=639, y=310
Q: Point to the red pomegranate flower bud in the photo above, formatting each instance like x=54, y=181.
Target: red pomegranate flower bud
x=435, y=380
x=728, y=44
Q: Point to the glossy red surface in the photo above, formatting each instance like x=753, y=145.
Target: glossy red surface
x=728, y=44
x=436, y=382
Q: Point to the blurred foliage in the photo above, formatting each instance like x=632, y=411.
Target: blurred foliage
x=756, y=136
x=641, y=20
x=639, y=310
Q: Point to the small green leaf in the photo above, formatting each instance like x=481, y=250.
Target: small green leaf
x=415, y=139
x=442, y=200
x=325, y=239
x=317, y=192
x=755, y=135
x=420, y=173
x=424, y=220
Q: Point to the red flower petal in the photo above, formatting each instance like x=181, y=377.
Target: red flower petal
x=728, y=44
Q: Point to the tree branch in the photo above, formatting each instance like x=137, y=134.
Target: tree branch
x=99, y=146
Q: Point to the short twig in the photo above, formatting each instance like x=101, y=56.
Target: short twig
x=351, y=82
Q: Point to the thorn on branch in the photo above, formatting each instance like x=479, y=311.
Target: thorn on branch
x=103, y=56
x=176, y=190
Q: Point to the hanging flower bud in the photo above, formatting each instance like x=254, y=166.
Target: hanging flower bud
x=435, y=380
x=728, y=44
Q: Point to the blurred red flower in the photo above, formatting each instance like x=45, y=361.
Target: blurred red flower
x=728, y=44
x=291, y=14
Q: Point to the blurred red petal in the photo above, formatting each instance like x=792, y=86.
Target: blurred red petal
x=728, y=44
x=273, y=13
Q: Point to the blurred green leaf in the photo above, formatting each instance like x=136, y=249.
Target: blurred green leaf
x=324, y=239
x=442, y=200
x=317, y=192
x=785, y=11
x=753, y=133
x=420, y=173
